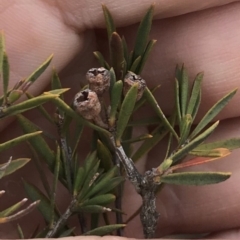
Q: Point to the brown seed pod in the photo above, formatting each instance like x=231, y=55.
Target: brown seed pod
x=87, y=104
x=132, y=78
x=98, y=79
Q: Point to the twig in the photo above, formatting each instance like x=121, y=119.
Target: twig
x=62, y=220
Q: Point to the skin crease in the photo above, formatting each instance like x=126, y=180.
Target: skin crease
x=204, y=35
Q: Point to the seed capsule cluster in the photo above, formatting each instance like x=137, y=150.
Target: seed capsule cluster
x=87, y=102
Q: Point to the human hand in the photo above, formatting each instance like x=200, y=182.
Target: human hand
x=204, y=40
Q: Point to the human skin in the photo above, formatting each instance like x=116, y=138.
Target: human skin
x=205, y=35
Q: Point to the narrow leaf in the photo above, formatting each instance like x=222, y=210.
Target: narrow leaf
x=101, y=231
x=11, y=143
x=101, y=200
x=5, y=74
x=195, y=178
x=26, y=105
x=216, y=152
x=101, y=60
x=135, y=64
x=183, y=85
x=108, y=21
x=37, y=142
x=112, y=79
x=143, y=33
x=20, y=232
x=230, y=144
x=193, y=144
x=213, y=112
x=116, y=94
x=152, y=101
x=145, y=56
x=2, y=49
x=79, y=180
x=13, y=208
x=44, y=207
x=125, y=112
x=197, y=161
x=138, y=139
x=55, y=82
x=195, y=93
x=15, y=165
x=93, y=209
x=117, y=55
x=105, y=156
x=54, y=188
x=33, y=77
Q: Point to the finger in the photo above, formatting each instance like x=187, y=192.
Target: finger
x=203, y=209
x=82, y=14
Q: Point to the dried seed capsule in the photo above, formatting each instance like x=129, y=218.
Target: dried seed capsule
x=132, y=78
x=98, y=79
x=87, y=104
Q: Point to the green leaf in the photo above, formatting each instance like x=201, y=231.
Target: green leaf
x=93, y=209
x=112, y=79
x=195, y=93
x=108, y=21
x=193, y=144
x=145, y=56
x=20, y=232
x=185, y=128
x=116, y=94
x=125, y=112
x=138, y=138
x=195, y=178
x=57, y=92
x=105, y=181
x=15, y=165
x=33, y=77
x=41, y=109
x=152, y=101
x=213, y=112
x=110, y=186
x=54, y=188
x=196, y=107
x=2, y=49
x=177, y=103
x=101, y=200
x=158, y=134
x=101, y=60
x=101, y=231
x=143, y=99
x=55, y=82
x=79, y=180
x=5, y=74
x=13, y=208
x=105, y=156
x=183, y=87
x=212, y=153
x=45, y=206
x=11, y=143
x=135, y=64
x=37, y=142
x=125, y=53
x=117, y=55
x=143, y=33
x=78, y=133
x=26, y=105
x=230, y=144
